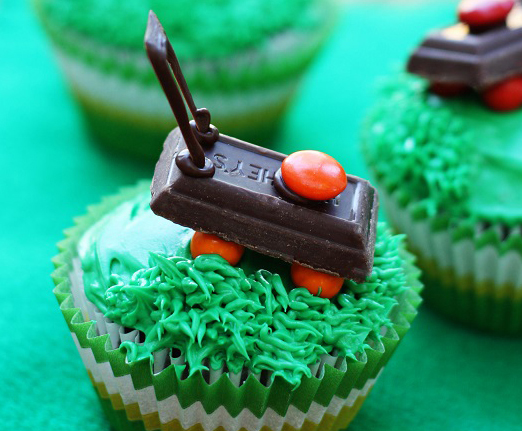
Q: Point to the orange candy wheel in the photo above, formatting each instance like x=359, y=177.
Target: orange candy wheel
x=313, y=280
x=505, y=96
x=205, y=243
x=313, y=175
x=484, y=13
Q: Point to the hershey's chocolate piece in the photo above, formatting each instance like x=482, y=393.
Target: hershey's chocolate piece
x=454, y=55
x=240, y=203
x=217, y=184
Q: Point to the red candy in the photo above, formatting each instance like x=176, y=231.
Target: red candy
x=504, y=96
x=205, y=243
x=484, y=13
x=313, y=175
x=448, y=89
x=313, y=280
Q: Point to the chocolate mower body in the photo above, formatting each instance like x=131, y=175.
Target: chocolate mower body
x=239, y=203
x=454, y=55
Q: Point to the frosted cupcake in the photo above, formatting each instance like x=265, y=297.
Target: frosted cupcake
x=183, y=329
x=245, y=60
x=173, y=342
x=445, y=152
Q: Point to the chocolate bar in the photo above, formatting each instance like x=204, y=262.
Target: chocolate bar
x=217, y=184
x=456, y=55
x=240, y=203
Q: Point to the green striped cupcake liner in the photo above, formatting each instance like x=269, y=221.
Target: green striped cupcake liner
x=472, y=271
x=139, y=395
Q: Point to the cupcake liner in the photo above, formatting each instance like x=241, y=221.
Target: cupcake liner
x=472, y=270
x=141, y=395
x=115, y=106
x=115, y=93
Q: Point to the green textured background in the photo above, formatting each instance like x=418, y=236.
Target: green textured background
x=443, y=377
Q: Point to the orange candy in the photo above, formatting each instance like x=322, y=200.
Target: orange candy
x=313, y=175
x=484, y=13
x=504, y=96
x=313, y=280
x=205, y=243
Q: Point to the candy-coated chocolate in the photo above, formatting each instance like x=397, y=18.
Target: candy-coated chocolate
x=313, y=280
x=484, y=13
x=205, y=243
x=313, y=175
x=448, y=89
x=505, y=96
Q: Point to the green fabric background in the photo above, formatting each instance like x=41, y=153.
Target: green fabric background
x=443, y=377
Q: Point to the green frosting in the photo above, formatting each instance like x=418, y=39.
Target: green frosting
x=198, y=29
x=138, y=271
x=452, y=157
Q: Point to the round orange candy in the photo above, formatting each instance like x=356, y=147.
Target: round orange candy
x=313, y=175
x=505, y=96
x=313, y=280
x=205, y=243
x=484, y=13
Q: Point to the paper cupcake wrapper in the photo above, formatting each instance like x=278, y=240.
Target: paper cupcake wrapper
x=472, y=271
x=131, y=119
x=169, y=399
x=124, y=417
x=111, y=92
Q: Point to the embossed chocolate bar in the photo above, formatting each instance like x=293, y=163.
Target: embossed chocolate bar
x=455, y=55
x=220, y=185
x=240, y=203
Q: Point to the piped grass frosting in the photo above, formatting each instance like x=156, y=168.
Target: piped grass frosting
x=244, y=316
x=450, y=171
x=454, y=157
x=218, y=307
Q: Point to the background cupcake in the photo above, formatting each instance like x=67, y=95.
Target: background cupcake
x=316, y=379
x=450, y=172
x=242, y=60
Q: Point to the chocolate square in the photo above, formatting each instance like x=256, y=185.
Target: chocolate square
x=454, y=55
x=239, y=203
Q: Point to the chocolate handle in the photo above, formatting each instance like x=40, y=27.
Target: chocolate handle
x=167, y=69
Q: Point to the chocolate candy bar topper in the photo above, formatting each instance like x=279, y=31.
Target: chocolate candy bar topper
x=483, y=51
x=253, y=196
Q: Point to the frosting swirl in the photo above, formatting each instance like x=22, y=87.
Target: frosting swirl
x=451, y=157
x=215, y=314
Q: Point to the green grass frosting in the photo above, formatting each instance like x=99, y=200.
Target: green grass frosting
x=448, y=158
x=139, y=273
x=200, y=29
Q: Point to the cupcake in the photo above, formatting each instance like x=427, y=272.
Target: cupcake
x=445, y=150
x=244, y=59
x=278, y=311
x=175, y=342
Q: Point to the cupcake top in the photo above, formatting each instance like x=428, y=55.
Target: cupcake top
x=200, y=29
x=139, y=272
x=449, y=145
x=449, y=157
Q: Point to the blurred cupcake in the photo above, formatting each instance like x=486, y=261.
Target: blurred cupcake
x=171, y=342
x=243, y=58
x=446, y=152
